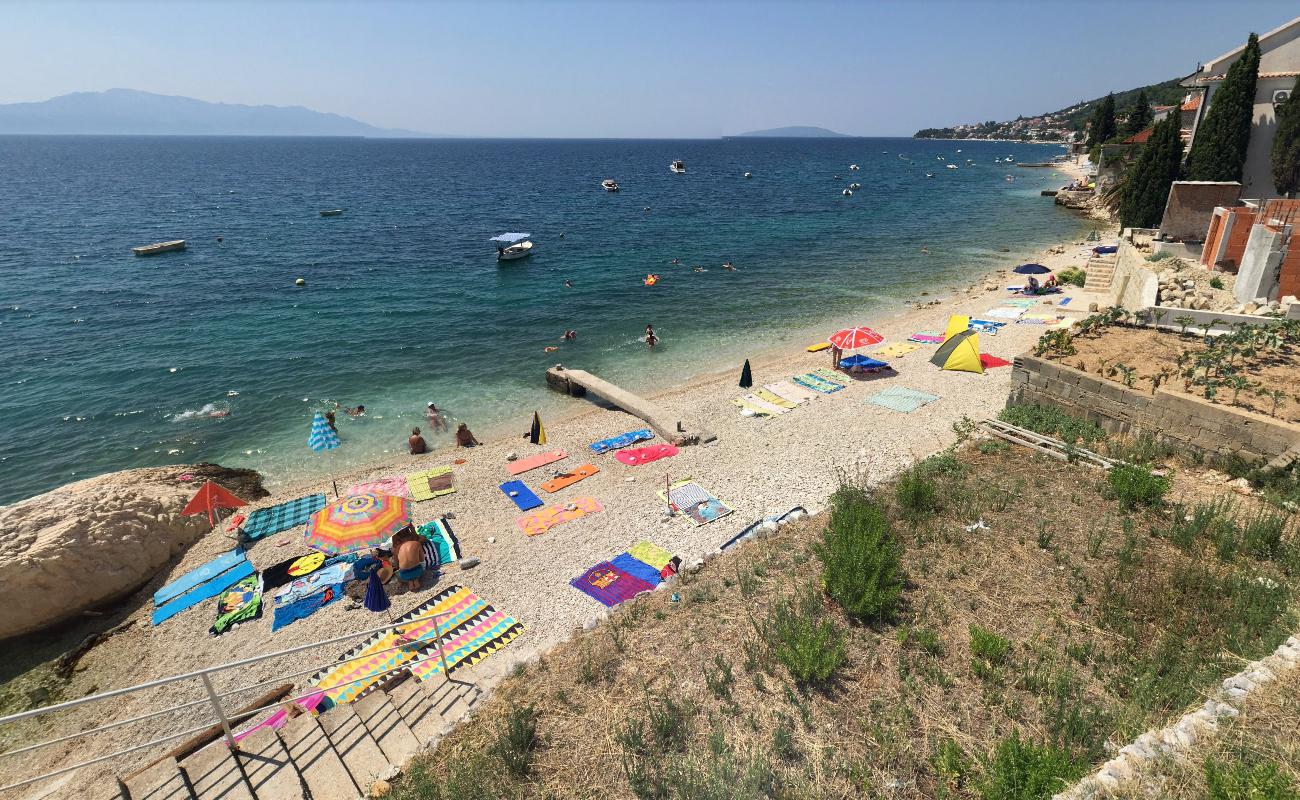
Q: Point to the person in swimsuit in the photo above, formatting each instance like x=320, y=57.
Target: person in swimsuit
x=435, y=417
x=416, y=443
x=650, y=339
x=410, y=558
x=464, y=438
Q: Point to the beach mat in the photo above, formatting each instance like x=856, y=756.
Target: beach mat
x=430, y=483
x=277, y=575
x=1005, y=312
x=522, y=465
x=240, y=603
x=755, y=410
x=651, y=554
x=637, y=568
x=900, y=398
x=521, y=495
x=303, y=607
x=1065, y=302
x=830, y=376
x=569, y=478
x=210, y=588
x=439, y=532
x=927, y=337
x=265, y=521
x=817, y=384
x=755, y=401
x=609, y=585
x=202, y=574
x=540, y=522
x=394, y=485
x=622, y=440
x=1020, y=303
x=695, y=502
x=644, y=455
x=774, y=399
x=335, y=570
x=895, y=350
x=991, y=362
x=791, y=392
x=817, y=348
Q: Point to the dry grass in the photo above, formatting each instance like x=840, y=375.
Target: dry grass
x=1081, y=589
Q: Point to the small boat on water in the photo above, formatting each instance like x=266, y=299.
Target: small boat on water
x=609, y=185
x=855, y=186
x=853, y=167
x=512, y=246
x=952, y=166
x=677, y=166
x=159, y=247
x=749, y=174
x=929, y=174
x=847, y=192
x=333, y=212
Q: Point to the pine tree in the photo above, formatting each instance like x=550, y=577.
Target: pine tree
x=1139, y=117
x=1219, y=151
x=1286, y=145
x=1102, y=128
x=1146, y=190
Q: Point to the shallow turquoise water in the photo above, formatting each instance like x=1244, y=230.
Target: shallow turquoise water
x=107, y=357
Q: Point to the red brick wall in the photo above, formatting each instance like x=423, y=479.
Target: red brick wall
x=1237, y=237
x=1289, y=278
x=1212, y=237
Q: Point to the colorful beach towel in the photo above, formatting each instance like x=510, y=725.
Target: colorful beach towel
x=644, y=455
x=831, y=376
x=991, y=362
x=569, y=478
x=1020, y=303
x=651, y=554
x=336, y=570
x=622, y=440
x=540, y=522
x=277, y=575
x=900, y=398
x=394, y=485
x=521, y=495
x=895, y=350
x=609, y=585
x=637, y=568
x=786, y=389
x=439, y=532
x=927, y=337
x=266, y=521
x=240, y=603
x=755, y=401
x=522, y=465
x=695, y=502
x=1038, y=319
x=816, y=383
x=287, y=613
x=430, y=483
x=209, y=588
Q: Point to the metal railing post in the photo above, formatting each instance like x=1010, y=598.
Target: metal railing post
x=216, y=704
x=442, y=655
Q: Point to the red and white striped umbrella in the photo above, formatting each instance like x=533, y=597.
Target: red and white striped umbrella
x=853, y=338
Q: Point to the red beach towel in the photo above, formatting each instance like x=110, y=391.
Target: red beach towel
x=644, y=455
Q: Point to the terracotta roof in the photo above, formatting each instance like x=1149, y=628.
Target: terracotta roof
x=1216, y=78
x=1140, y=137
x=1158, y=109
x=1191, y=105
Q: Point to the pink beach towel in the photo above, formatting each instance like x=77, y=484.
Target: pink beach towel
x=396, y=486
x=644, y=455
x=540, y=522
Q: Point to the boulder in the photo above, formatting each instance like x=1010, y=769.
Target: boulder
x=95, y=541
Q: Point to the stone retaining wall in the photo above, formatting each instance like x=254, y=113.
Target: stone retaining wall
x=1216, y=430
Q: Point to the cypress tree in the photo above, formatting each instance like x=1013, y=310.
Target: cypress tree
x=1219, y=151
x=1102, y=128
x=1142, y=202
x=1139, y=117
x=1286, y=145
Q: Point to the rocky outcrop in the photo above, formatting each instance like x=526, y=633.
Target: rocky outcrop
x=94, y=541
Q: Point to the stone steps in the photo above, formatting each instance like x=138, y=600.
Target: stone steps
x=338, y=755
x=1100, y=272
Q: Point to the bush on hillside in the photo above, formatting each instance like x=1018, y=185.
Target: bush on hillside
x=1136, y=487
x=1072, y=276
x=1050, y=421
x=806, y=643
x=861, y=558
x=1027, y=771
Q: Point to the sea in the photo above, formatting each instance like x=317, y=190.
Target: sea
x=112, y=361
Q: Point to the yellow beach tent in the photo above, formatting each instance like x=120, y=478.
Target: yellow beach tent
x=960, y=350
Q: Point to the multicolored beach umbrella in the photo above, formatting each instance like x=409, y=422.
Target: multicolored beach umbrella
x=853, y=338
x=322, y=436
x=357, y=522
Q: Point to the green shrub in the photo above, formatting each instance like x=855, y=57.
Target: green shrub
x=1261, y=535
x=1216, y=282
x=1161, y=256
x=1242, y=781
x=1072, y=276
x=861, y=558
x=1050, y=421
x=806, y=643
x=473, y=776
x=514, y=744
x=1027, y=771
x=670, y=724
x=1142, y=449
x=1136, y=486
x=988, y=651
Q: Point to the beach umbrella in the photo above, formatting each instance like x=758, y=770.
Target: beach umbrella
x=321, y=438
x=853, y=338
x=376, y=597
x=209, y=499
x=357, y=522
x=537, y=434
x=746, y=376
x=1031, y=269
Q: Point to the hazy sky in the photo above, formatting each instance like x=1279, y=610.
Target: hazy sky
x=612, y=68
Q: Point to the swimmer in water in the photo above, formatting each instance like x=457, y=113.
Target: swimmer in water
x=925, y=250
x=570, y=335
x=675, y=261
x=568, y=284
x=359, y=411
x=729, y=267
x=698, y=269
x=650, y=339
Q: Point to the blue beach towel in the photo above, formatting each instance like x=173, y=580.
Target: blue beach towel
x=817, y=384
x=522, y=496
x=864, y=362
x=1065, y=302
x=622, y=440
x=637, y=568
x=194, y=577
x=204, y=591
x=266, y=521
x=304, y=607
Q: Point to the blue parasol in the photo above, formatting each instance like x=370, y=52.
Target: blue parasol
x=376, y=597
x=1031, y=269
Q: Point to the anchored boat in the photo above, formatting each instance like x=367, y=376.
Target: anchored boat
x=609, y=185
x=512, y=246
x=160, y=247
x=333, y=212
x=678, y=166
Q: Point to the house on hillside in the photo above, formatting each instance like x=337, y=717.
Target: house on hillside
x=1279, y=66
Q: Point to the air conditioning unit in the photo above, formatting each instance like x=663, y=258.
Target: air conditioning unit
x=1280, y=96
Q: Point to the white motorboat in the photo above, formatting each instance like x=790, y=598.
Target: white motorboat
x=855, y=186
x=853, y=167
x=160, y=247
x=677, y=166
x=609, y=185
x=847, y=192
x=512, y=246
x=749, y=174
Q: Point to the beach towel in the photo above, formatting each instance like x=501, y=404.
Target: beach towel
x=900, y=398
x=569, y=478
x=774, y=399
x=817, y=384
x=522, y=496
x=439, y=532
x=540, y=522
x=926, y=337
x=651, y=554
x=609, y=585
x=990, y=362
x=622, y=440
x=755, y=410
x=277, y=575
x=469, y=643
x=786, y=389
x=859, y=363
x=394, y=485
x=817, y=348
x=522, y=465
x=208, y=589
x=266, y=521
x=287, y=613
x=240, y=603
x=767, y=408
x=336, y=571
x=202, y=574
x=831, y=376
x=1038, y=319
x=1065, y=301
x=430, y=483
x=1005, y=312
x=1017, y=303
x=636, y=568
x=984, y=325
x=644, y=455
x=695, y=502
x=895, y=350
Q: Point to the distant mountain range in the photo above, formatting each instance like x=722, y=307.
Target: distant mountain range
x=131, y=112
x=793, y=132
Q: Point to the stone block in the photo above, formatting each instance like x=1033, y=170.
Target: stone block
x=214, y=773
x=354, y=744
x=271, y=772
x=320, y=766
x=416, y=708
x=162, y=781
x=386, y=726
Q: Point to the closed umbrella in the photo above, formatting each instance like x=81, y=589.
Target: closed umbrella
x=537, y=434
x=853, y=338
x=746, y=376
x=357, y=522
x=1031, y=269
x=376, y=597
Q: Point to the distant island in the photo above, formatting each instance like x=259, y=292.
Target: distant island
x=132, y=112
x=793, y=132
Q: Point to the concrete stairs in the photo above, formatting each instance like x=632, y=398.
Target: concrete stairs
x=1100, y=269
x=337, y=755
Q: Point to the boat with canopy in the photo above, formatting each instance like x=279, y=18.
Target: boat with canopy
x=511, y=246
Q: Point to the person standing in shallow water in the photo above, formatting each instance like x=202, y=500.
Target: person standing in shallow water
x=650, y=339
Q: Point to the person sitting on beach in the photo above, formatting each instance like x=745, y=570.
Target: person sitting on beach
x=1050, y=283
x=410, y=558
x=436, y=420
x=464, y=438
x=1032, y=286
x=416, y=443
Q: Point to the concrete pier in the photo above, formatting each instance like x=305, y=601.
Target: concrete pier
x=576, y=383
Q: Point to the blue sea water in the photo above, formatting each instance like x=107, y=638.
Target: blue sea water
x=110, y=360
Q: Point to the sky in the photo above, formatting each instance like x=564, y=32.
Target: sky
x=624, y=69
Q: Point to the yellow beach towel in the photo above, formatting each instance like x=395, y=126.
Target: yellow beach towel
x=740, y=401
x=430, y=483
x=774, y=399
x=896, y=349
x=648, y=553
